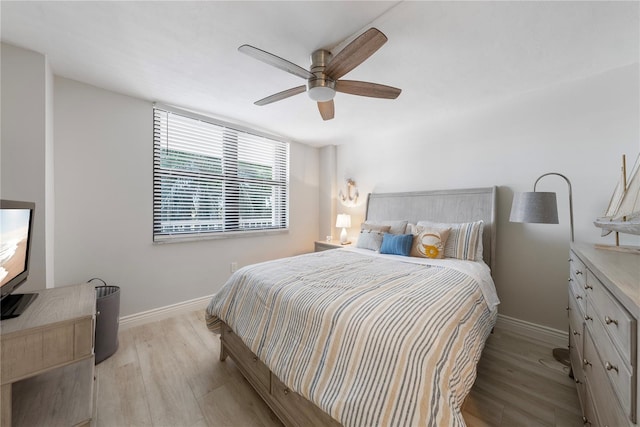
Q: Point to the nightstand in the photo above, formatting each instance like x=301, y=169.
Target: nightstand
x=323, y=245
x=47, y=360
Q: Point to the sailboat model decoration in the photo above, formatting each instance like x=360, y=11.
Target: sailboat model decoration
x=623, y=213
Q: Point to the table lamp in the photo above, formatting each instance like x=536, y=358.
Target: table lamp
x=344, y=222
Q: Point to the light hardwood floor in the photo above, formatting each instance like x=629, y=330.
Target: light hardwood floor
x=167, y=373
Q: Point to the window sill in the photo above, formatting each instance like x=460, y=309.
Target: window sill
x=182, y=238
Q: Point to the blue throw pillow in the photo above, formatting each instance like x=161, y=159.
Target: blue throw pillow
x=396, y=244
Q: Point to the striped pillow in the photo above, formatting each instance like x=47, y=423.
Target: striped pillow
x=464, y=241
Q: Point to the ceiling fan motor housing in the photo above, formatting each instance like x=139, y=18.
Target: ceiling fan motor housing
x=321, y=88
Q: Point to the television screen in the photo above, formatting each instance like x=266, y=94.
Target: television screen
x=14, y=235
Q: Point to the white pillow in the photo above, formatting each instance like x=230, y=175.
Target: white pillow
x=370, y=239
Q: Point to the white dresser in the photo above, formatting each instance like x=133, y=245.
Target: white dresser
x=604, y=301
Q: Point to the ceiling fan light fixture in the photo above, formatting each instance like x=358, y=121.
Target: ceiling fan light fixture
x=321, y=89
x=321, y=93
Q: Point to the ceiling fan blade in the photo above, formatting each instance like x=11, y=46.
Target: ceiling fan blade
x=355, y=53
x=281, y=95
x=327, y=110
x=373, y=90
x=275, y=61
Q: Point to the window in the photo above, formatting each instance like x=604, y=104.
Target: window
x=211, y=179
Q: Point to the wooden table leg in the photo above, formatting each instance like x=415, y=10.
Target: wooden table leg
x=5, y=405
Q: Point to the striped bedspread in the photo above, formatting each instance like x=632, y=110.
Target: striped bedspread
x=371, y=341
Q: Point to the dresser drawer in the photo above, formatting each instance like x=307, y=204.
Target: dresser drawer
x=607, y=413
x=590, y=418
x=610, y=411
x=247, y=359
x=616, y=369
x=577, y=270
x=610, y=414
x=576, y=322
x=618, y=323
x=27, y=354
x=576, y=365
x=291, y=403
x=580, y=294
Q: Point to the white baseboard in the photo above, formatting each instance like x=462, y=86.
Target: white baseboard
x=161, y=313
x=542, y=333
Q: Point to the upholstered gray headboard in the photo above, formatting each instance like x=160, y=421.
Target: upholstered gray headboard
x=462, y=205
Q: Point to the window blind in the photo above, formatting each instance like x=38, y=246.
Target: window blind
x=211, y=179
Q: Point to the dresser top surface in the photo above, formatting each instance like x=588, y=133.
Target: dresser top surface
x=620, y=271
x=54, y=305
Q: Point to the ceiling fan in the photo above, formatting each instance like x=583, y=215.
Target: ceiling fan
x=323, y=78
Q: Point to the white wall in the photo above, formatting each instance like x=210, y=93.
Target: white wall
x=103, y=224
x=26, y=169
x=328, y=193
x=579, y=129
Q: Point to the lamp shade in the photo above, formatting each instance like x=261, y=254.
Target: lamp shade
x=534, y=207
x=344, y=220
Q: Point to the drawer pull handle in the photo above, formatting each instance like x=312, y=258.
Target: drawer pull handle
x=578, y=382
x=586, y=421
x=568, y=308
x=585, y=362
x=609, y=321
x=578, y=296
x=286, y=391
x=587, y=287
x=578, y=272
x=570, y=260
x=610, y=367
x=570, y=279
x=587, y=317
x=576, y=332
x=255, y=358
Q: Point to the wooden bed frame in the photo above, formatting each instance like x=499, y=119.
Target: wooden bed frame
x=439, y=206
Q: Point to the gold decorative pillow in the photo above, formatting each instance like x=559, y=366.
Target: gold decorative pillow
x=429, y=242
x=464, y=241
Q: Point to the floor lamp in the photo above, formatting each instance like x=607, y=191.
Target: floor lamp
x=541, y=208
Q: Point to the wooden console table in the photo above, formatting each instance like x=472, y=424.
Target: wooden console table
x=47, y=360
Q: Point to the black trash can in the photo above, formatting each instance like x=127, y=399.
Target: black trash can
x=107, y=320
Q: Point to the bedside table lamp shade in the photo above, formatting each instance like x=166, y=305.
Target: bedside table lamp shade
x=343, y=221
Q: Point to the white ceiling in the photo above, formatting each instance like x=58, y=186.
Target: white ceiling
x=445, y=56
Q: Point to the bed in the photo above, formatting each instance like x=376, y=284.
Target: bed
x=356, y=338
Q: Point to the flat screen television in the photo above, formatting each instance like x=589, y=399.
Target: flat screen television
x=16, y=229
